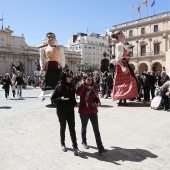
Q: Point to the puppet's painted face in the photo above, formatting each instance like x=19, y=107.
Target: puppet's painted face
x=121, y=37
x=16, y=64
x=51, y=39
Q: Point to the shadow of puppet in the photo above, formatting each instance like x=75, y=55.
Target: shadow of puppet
x=121, y=154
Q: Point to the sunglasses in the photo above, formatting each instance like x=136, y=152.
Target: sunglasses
x=70, y=76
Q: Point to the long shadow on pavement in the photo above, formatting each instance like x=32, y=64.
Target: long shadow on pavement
x=104, y=105
x=50, y=106
x=133, y=104
x=121, y=154
x=5, y=107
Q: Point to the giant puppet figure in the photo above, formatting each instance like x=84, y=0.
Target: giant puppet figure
x=52, y=62
x=16, y=70
x=125, y=84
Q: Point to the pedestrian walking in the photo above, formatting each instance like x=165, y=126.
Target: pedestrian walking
x=89, y=100
x=6, y=85
x=64, y=98
x=13, y=87
x=19, y=82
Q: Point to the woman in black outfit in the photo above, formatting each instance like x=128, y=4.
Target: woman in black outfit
x=64, y=98
x=6, y=84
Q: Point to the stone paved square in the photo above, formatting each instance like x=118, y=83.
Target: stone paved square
x=137, y=137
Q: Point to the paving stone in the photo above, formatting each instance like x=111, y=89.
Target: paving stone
x=136, y=137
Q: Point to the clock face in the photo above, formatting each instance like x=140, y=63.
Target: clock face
x=2, y=39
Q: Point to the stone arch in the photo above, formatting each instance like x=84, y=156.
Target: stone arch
x=132, y=66
x=156, y=67
x=143, y=67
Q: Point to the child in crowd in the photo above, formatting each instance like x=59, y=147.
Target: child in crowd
x=13, y=87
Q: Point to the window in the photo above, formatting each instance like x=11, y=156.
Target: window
x=156, y=48
x=85, y=46
x=89, y=47
x=143, y=50
x=130, y=33
x=93, y=47
x=155, y=28
x=143, y=30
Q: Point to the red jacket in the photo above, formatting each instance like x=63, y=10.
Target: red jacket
x=88, y=99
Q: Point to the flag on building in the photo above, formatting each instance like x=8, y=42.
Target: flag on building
x=153, y=3
x=131, y=8
x=139, y=8
x=144, y=3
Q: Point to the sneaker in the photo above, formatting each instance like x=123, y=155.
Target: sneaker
x=77, y=152
x=85, y=146
x=102, y=151
x=63, y=148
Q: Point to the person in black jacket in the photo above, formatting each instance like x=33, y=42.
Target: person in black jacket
x=64, y=98
x=104, y=63
x=6, y=84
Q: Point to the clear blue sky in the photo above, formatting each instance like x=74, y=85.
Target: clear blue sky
x=34, y=18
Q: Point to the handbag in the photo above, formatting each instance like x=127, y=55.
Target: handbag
x=3, y=87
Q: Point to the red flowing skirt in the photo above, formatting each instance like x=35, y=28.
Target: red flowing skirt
x=125, y=85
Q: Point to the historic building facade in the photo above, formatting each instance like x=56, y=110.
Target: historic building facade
x=148, y=40
x=91, y=46
x=14, y=48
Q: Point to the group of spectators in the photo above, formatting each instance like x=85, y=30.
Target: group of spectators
x=148, y=83
x=21, y=81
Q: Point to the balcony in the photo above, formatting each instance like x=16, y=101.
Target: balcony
x=147, y=54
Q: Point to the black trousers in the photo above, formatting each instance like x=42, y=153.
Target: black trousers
x=6, y=92
x=69, y=117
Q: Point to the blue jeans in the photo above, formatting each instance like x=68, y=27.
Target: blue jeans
x=94, y=121
x=19, y=90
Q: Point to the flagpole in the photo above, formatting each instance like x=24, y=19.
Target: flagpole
x=133, y=12
x=154, y=8
x=2, y=21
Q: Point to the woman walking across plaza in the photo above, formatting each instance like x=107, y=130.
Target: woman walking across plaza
x=6, y=84
x=89, y=100
x=64, y=98
x=125, y=83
